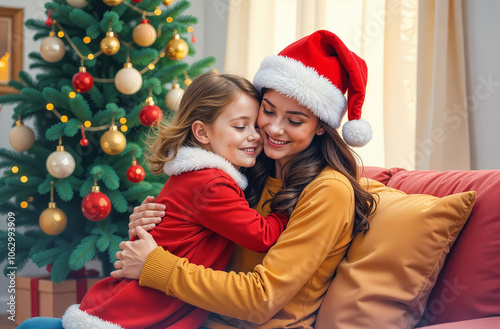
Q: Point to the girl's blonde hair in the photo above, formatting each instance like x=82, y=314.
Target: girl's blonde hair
x=203, y=100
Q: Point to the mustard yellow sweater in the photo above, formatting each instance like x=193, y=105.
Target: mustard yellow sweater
x=281, y=289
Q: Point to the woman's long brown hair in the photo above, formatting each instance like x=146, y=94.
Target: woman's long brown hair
x=328, y=149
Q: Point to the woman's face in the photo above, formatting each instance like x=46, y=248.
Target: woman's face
x=287, y=127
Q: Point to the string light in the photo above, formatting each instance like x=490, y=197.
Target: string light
x=170, y=19
x=90, y=56
x=124, y=128
x=64, y=118
x=24, y=204
x=87, y=124
x=24, y=179
x=157, y=11
x=151, y=66
x=15, y=169
x=49, y=106
x=60, y=34
x=190, y=29
x=123, y=121
x=86, y=39
x=72, y=94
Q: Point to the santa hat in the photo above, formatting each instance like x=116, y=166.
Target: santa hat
x=317, y=70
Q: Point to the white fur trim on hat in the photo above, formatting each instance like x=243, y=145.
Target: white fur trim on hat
x=357, y=132
x=75, y=318
x=312, y=90
x=196, y=158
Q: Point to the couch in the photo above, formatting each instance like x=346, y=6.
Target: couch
x=460, y=289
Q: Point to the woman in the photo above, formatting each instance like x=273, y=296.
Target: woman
x=307, y=171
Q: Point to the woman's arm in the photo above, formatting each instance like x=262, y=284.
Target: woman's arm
x=315, y=240
x=147, y=215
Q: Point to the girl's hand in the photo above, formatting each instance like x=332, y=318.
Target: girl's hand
x=147, y=215
x=133, y=255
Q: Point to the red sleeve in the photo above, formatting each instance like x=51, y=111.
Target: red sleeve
x=223, y=209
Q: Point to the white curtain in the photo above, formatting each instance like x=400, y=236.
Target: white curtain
x=382, y=32
x=442, y=121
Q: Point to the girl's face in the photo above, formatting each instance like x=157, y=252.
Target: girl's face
x=286, y=127
x=234, y=134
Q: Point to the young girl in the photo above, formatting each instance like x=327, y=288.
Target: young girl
x=307, y=170
x=212, y=136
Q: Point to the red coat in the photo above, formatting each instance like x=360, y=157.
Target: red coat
x=206, y=214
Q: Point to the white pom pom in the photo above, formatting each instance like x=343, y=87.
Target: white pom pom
x=357, y=132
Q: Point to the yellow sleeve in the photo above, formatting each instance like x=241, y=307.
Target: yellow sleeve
x=323, y=217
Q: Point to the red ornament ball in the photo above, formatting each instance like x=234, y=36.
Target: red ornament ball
x=135, y=173
x=150, y=114
x=82, y=82
x=84, y=142
x=96, y=206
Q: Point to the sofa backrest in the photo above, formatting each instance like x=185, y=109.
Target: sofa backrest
x=468, y=286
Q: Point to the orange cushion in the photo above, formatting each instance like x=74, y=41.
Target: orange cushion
x=388, y=273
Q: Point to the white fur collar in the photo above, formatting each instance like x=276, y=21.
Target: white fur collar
x=196, y=158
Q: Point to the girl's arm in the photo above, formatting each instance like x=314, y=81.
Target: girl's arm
x=222, y=208
x=313, y=244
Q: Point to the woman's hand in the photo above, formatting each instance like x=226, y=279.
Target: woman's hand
x=133, y=255
x=147, y=215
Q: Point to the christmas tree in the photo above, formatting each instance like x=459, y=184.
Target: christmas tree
x=108, y=68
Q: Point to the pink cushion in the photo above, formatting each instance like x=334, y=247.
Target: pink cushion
x=469, y=284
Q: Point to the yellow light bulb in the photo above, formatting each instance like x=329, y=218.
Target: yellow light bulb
x=123, y=121
x=87, y=124
x=50, y=106
x=60, y=34
x=162, y=55
x=90, y=56
x=190, y=29
x=170, y=19
x=72, y=94
x=24, y=204
x=24, y=179
x=124, y=128
x=157, y=12
x=86, y=40
x=15, y=169
x=151, y=66
x=64, y=118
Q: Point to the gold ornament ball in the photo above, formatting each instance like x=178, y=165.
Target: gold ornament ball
x=168, y=2
x=144, y=34
x=52, y=220
x=177, y=48
x=113, y=142
x=110, y=44
x=113, y=3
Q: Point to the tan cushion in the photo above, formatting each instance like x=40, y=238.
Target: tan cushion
x=388, y=273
